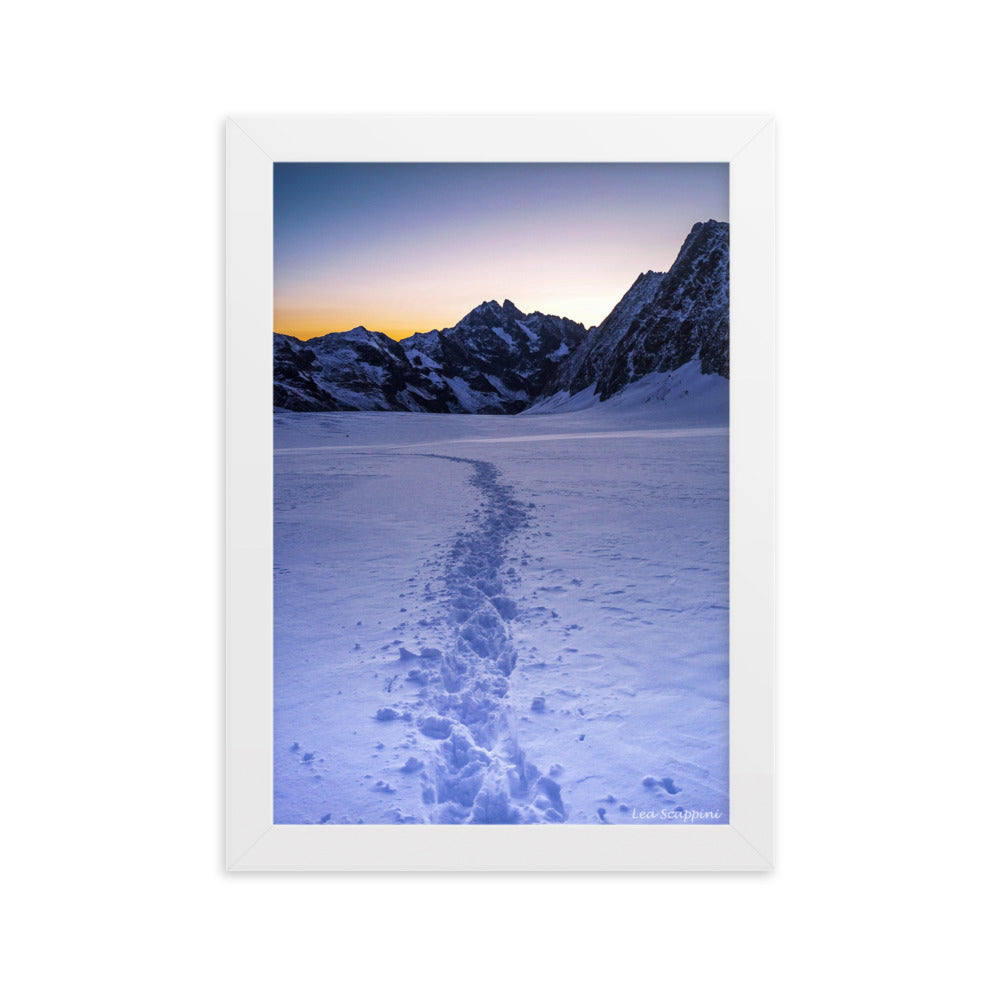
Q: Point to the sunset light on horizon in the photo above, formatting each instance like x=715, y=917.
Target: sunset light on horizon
x=409, y=247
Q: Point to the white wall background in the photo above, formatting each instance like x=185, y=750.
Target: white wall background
x=112, y=416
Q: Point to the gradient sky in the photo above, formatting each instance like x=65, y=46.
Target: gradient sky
x=407, y=247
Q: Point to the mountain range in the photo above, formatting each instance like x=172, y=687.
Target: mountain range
x=497, y=359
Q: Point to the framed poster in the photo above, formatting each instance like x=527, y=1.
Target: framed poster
x=500, y=504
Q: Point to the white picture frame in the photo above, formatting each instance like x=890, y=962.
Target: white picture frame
x=254, y=842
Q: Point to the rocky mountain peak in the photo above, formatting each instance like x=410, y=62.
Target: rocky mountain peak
x=497, y=359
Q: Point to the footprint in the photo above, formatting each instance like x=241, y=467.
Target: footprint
x=665, y=783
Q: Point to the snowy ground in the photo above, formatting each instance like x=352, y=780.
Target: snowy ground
x=504, y=619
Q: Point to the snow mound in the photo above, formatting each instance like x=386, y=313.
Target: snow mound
x=684, y=396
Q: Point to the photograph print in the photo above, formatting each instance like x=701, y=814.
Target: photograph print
x=501, y=493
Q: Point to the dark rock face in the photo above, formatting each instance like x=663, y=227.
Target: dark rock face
x=495, y=360
x=498, y=359
x=357, y=370
x=663, y=322
x=584, y=367
x=295, y=387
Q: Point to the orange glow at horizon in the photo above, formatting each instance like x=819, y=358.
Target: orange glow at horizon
x=306, y=328
x=306, y=324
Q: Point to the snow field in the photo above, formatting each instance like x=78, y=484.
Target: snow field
x=501, y=619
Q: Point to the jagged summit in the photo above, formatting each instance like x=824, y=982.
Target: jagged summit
x=495, y=359
x=492, y=311
x=585, y=366
x=663, y=321
x=360, y=332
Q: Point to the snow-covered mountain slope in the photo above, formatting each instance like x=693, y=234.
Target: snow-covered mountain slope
x=585, y=365
x=663, y=322
x=356, y=370
x=684, y=397
x=295, y=385
x=496, y=359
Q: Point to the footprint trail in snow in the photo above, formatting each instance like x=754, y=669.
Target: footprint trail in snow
x=479, y=774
